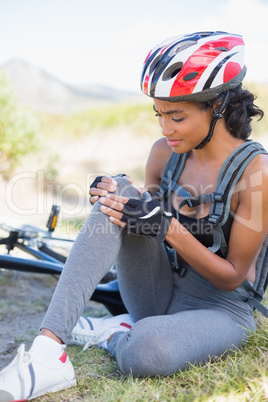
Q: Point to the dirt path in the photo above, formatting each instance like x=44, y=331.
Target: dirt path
x=24, y=298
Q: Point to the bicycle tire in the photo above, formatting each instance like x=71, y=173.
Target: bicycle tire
x=47, y=250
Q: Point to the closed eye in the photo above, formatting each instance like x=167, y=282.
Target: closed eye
x=173, y=119
x=157, y=114
x=178, y=120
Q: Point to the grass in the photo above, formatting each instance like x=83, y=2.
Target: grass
x=14, y=302
x=240, y=376
x=139, y=118
x=135, y=116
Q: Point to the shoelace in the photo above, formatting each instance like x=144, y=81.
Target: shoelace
x=20, y=360
x=84, y=336
x=95, y=340
x=23, y=357
x=99, y=339
x=21, y=352
x=87, y=345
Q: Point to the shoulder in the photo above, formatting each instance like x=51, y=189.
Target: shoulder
x=161, y=149
x=157, y=160
x=253, y=184
x=250, y=225
x=257, y=170
x=159, y=154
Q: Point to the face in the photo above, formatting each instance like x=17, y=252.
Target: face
x=184, y=124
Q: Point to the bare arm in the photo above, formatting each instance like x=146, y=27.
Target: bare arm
x=249, y=228
x=248, y=232
x=157, y=160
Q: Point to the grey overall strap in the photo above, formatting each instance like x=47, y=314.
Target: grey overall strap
x=170, y=177
x=261, y=280
x=230, y=173
x=253, y=297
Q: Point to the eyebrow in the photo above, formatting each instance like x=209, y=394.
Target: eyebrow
x=169, y=111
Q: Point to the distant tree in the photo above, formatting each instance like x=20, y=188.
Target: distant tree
x=260, y=90
x=18, y=130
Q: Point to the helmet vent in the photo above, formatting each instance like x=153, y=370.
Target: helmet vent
x=154, y=64
x=222, y=49
x=204, y=34
x=172, y=71
x=181, y=46
x=190, y=76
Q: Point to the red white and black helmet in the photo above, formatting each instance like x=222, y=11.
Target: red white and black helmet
x=194, y=67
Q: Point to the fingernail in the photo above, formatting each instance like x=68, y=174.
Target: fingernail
x=112, y=188
x=103, y=208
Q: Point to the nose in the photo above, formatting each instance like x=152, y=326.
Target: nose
x=166, y=126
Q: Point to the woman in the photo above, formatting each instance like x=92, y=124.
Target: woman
x=195, y=82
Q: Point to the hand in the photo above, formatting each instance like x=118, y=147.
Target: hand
x=143, y=217
x=102, y=185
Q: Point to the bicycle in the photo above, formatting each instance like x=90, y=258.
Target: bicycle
x=42, y=252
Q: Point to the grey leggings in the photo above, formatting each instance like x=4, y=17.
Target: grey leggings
x=177, y=322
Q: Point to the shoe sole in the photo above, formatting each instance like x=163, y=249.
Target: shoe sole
x=92, y=340
x=56, y=388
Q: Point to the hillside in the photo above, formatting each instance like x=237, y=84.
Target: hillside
x=108, y=137
x=40, y=91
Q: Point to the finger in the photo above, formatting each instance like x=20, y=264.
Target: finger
x=108, y=183
x=110, y=180
x=129, y=179
x=141, y=190
x=108, y=186
x=98, y=192
x=94, y=199
x=111, y=203
x=118, y=198
x=117, y=222
x=111, y=212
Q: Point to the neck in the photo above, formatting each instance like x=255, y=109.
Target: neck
x=218, y=149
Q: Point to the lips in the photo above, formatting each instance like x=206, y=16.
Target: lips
x=173, y=142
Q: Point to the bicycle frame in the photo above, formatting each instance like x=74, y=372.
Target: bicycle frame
x=34, y=242
x=42, y=262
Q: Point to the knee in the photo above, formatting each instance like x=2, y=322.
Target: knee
x=125, y=188
x=144, y=354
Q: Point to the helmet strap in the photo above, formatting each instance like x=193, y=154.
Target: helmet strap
x=217, y=114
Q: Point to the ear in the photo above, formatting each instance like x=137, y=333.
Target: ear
x=217, y=104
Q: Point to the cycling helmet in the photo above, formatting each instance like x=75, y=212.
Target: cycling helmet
x=194, y=67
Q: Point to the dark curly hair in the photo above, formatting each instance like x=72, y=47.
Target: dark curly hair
x=239, y=112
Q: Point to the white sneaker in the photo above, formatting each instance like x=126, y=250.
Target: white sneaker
x=94, y=331
x=30, y=375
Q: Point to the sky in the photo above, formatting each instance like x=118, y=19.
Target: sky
x=106, y=41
